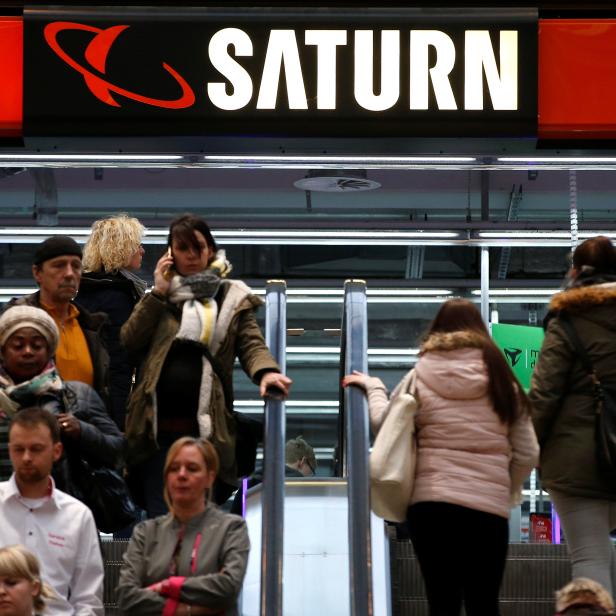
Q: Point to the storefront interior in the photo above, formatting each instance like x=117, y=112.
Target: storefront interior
x=413, y=230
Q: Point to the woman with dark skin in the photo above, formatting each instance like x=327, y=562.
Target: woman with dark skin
x=187, y=333
x=28, y=377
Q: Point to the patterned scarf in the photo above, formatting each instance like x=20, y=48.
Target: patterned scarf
x=197, y=293
x=139, y=284
x=13, y=396
x=199, y=320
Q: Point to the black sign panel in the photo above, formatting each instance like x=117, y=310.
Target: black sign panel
x=276, y=72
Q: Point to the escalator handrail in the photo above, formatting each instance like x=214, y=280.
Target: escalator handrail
x=354, y=445
x=272, y=525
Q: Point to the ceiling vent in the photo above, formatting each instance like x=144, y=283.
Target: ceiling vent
x=337, y=181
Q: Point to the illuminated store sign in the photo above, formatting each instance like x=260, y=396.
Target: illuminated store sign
x=283, y=63
x=250, y=72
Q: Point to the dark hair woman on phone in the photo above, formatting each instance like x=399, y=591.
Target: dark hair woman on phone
x=188, y=332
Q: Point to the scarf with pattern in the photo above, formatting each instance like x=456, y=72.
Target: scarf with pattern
x=14, y=396
x=196, y=293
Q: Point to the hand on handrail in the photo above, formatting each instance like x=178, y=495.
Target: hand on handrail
x=275, y=385
x=357, y=379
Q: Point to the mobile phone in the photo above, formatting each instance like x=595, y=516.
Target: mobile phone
x=170, y=271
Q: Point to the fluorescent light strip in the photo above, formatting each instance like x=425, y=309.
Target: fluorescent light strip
x=342, y=159
x=314, y=296
x=43, y=231
x=338, y=234
x=91, y=157
x=557, y=159
x=587, y=234
x=373, y=292
x=18, y=290
x=518, y=292
x=524, y=234
x=336, y=350
x=291, y=403
x=371, y=300
x=247, y=236
x=243, y=236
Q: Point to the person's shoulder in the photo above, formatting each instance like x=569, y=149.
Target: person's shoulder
x=225, y=518
x=81, y=397
x=104, y=283
x=25, y=300
x=69, y=504
x=4, y=489
x=80, y=389
x=90, y=320
x=240, y=295
x=153, y=526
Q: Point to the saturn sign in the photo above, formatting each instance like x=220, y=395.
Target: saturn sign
x=242, y=75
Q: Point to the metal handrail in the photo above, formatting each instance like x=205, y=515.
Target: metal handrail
x=272, y=529
x=354, y=448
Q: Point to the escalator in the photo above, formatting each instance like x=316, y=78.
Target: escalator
x=335, y=552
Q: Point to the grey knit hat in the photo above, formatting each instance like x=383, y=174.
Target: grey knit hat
x=18, y=317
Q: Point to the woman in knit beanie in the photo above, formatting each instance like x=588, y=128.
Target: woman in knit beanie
x=28, y=377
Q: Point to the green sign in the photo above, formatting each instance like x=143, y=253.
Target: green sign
x=521, y=345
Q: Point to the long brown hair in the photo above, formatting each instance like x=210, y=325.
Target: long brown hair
x=596, y=252
x=506, y=393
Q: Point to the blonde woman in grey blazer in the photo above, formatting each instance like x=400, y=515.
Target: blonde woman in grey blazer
x=191, y=561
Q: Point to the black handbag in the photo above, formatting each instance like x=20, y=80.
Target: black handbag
x=604, y=395
x=105, y=492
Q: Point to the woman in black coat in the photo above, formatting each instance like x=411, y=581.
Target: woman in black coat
x=110, y=258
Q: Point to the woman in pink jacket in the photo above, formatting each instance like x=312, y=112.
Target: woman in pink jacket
x=476, y=446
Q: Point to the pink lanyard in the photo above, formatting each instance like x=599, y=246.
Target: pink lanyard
x=193, y=558
x=173, y=569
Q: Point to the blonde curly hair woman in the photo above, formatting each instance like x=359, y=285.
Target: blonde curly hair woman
x=22, y=592
x=109, y=284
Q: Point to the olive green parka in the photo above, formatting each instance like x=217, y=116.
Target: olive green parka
x=149, y=334
x=563, y=409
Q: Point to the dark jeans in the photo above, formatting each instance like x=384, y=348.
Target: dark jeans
x=461, y=553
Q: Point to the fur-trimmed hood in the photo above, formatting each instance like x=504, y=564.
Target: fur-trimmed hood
x=580, y=299
x=449, y=341
x=452, y=365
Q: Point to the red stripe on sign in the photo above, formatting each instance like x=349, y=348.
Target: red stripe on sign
x=11, y=76
x=577, y=78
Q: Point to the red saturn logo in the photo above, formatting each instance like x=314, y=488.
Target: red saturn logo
x=96, y=55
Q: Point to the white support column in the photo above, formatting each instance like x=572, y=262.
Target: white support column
x=573, y=209
x=485, y=285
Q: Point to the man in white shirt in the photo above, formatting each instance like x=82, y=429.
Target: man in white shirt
x=56, y=527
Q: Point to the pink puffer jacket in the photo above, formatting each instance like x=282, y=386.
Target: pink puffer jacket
x=466, y=455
